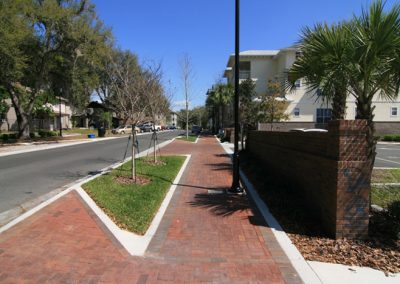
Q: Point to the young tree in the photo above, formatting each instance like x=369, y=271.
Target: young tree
x=187, y=77
x=128, y=92
x=157, y=101
x=248, y=107
x=273, y=104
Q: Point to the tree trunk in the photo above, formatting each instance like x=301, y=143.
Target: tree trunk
x=339, y=105
x=155, y=146
x=365, y=110
x=187, y=120
x=23, y=117
x=133, y=154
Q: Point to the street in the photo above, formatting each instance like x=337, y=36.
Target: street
x=26, y=176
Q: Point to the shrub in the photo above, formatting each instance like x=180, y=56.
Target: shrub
x=4, y=137
x=32, y=135
x=391, y=137
x=388, y=138
x=12, y=136
x=47, y=133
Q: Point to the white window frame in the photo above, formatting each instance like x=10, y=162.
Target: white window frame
x=296, y=112
x=391, y=111
x=297, y=84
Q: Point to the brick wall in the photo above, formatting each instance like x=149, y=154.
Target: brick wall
x=331, y=169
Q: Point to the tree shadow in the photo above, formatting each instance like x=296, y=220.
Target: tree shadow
x=220, y=204
x=220, y=166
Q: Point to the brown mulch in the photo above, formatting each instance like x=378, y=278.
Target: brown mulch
x=140, y=180
x=156, y=163
x=380, y=251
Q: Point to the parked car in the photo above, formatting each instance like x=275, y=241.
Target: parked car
x=125, y=129
x=196, y=129
x=171, y=127
x=308, y=130
x=146, y=127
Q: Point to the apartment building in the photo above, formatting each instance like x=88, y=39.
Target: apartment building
x=305, y=109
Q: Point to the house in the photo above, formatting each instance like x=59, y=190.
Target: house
x=305, y=110
x=8, y=121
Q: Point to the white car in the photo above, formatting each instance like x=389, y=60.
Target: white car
x=127, y=129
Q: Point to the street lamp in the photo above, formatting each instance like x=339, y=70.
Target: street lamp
x=235, y=188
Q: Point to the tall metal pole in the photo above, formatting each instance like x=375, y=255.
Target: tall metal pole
x=235, y=182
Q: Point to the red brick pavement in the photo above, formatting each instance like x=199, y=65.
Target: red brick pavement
x=208, y=238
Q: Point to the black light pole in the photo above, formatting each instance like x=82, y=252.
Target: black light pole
x=235, y=182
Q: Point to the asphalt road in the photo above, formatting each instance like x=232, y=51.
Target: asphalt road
x=26, y=176
x=388, y=155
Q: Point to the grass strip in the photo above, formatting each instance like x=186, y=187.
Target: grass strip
x=384, y=195
x=190, y=138
x=385, y=176
x=132, y=206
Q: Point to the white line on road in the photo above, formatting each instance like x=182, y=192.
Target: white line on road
x=388, y=161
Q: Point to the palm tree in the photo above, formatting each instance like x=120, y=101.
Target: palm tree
x=323, y=64
x=375, y=62
x=221, y=95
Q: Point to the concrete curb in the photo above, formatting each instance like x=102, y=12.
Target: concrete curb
x=30, y=207
x=133, y=243
x=59, y=144
x=304, y=270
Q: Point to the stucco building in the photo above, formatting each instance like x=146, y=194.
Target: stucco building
x=304, y=107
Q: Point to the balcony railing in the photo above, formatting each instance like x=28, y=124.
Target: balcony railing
x=244, y=74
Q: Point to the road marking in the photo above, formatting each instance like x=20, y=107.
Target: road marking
x=388, y=161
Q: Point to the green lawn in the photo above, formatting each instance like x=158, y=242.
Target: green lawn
x=385, y=195
x=133, y=207
x=385, y=176
x=190, y=138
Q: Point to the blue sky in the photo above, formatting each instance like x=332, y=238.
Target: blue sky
x=163, y=30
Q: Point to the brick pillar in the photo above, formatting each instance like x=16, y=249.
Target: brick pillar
x=348, y=146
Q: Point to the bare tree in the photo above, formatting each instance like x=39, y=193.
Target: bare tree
x=158, y=103
x=187, y=75
x=128, y=91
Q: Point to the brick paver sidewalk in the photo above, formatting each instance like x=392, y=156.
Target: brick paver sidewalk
x=204, y=237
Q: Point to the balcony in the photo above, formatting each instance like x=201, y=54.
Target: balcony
x=244, y=74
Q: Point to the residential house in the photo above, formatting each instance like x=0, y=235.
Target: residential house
x=305, y=110
x=8, y=121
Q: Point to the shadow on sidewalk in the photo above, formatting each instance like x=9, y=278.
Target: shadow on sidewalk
x=220, y=204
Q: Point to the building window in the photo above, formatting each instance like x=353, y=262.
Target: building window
x=324, y=115
x=318, y=92
x=244, y=69
x=393, y=111
x=297, y=83
x=296, y=112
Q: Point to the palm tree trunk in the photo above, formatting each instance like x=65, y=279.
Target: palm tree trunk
x=339, y=105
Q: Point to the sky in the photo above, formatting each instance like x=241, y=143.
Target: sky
x=164, y=30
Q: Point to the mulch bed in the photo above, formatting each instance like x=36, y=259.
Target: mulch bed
x=380, y=251
x=140, y=180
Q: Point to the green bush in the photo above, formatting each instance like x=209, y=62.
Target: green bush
x=391, y=137
x=12, y=136
x=46, y=133
x=32, y=135
x=4, y=137
x=388, y=138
